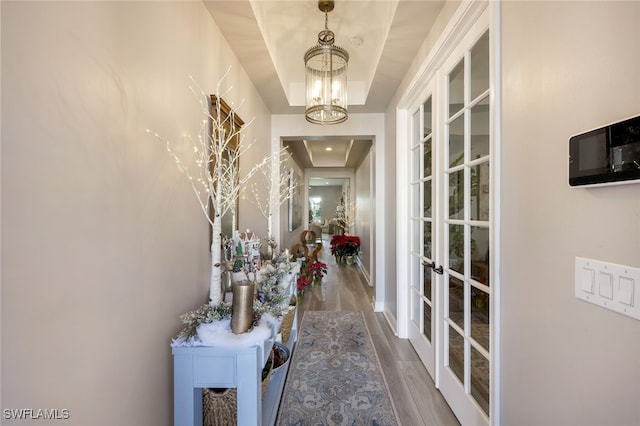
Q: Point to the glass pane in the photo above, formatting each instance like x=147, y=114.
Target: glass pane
x=427, y=158
x=456, y=353
x=427, y=320
x=479, y=192
x=480, y=379
x=427, y=198
x=427, y=240
x=456, y=301
x=480, y=129
x=415, y=164
x=480, y=317
x=456, y=141
x=456, y=248
x=427, y=118
x=456, y=88
x=415, y=128
x=415, y=272
x=456, y=195
x=480, y=254
x=480, y=66
x=415, y=308
x=416, y=243
x=427, y=281
x=415, y=200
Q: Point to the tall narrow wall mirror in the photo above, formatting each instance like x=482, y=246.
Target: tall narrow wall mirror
x=232, y=123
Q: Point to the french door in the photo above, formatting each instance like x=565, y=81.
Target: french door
x=422, y=291
x=451, y=228
x=466, y=230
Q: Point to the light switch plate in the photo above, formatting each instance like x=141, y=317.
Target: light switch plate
x=605, y=285
x=608, y=285
x=588, y=279
x=626, y=287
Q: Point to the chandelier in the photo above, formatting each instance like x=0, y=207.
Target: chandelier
x=326, y=76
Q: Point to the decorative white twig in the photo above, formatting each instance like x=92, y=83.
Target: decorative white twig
x=278, y=192
x=213, y=171
x=348, y=218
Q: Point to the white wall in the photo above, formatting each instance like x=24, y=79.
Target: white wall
x=103, y=243
x=254, y=110
x=389, y=156
x=364, y=209
x=567, y=67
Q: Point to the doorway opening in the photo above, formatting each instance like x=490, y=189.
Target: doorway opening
x=338, y=176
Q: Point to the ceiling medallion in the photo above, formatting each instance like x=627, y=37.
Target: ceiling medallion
x=326, y=76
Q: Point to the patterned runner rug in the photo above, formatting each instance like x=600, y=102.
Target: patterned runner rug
x=335, y=376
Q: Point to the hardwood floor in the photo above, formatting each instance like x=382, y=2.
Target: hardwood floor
x=415, y=397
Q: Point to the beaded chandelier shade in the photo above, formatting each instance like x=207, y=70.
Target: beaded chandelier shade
x=326, y=76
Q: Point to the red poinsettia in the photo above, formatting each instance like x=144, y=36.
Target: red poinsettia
x=317, y=269
x=345, y=245
x=302, y=283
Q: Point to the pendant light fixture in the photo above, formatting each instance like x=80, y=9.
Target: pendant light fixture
x=326, y=76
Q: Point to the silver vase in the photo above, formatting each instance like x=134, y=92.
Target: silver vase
x=271, y=248
x=242, y=306
x=227, y=282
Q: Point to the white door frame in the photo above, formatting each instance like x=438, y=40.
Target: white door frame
x=459, y=24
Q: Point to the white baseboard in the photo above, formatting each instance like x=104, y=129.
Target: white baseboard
x=364, y=272
x=377, y=306
x=391, y=320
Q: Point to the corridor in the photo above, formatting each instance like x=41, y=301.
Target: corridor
x=415, y=397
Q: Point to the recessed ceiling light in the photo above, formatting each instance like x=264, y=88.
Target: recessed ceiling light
x=328, y=148
x=356, y=41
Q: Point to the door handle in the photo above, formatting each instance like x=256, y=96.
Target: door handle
x=432, y=265
x=429, y=265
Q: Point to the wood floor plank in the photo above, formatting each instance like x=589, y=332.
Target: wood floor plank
x=402, y=347
x=414, y=394
x=431, y=404
x=407, y=411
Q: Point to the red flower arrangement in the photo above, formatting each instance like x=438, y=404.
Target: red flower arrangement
x=310, y=272
x=345, y=245
x=317, y=269
x=302, y=283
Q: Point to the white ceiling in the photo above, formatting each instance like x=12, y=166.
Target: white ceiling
x=327, y=181
x=328, y=151
x=270, y=37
